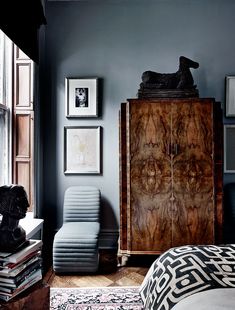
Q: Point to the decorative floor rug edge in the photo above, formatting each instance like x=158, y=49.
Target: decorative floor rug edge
x=96, y=298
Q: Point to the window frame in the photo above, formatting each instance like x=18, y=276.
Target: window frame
x=11, y=58
x=6, y=85
x=6, y=143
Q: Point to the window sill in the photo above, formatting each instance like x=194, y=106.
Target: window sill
x=31, y=225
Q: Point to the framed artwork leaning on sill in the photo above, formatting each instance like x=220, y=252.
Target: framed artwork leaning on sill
x=81, y=97
x=82, y=150
x=229, y=148
x=230, y=96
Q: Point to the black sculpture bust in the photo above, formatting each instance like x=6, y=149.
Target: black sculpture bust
x=13, y=207
x=163, y=85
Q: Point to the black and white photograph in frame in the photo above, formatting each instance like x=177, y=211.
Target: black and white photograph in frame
x=81, y=97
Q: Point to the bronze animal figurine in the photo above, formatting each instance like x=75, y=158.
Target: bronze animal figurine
x=181, y=79
x=13, y=207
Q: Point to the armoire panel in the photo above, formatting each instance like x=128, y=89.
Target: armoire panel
x=193, y=178
x=149, y=176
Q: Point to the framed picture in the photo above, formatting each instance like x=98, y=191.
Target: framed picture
x=229, y=148
x=82, y=150
x=81, y=97
x=230, y=96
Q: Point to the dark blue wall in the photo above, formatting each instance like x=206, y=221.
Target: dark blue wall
x=116, y=41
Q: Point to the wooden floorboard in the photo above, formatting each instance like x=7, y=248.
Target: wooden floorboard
x=124, y=276
x=108, y=274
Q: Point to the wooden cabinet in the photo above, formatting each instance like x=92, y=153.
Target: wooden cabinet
x=170, y=174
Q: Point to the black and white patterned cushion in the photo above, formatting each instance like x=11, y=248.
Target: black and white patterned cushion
x=186, y=270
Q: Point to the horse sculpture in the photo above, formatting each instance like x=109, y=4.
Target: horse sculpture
x=13, y=207
x=182, y=80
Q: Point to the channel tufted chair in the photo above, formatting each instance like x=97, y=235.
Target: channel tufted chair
x=75, y=246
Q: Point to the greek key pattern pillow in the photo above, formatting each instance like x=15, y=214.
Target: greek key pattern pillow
x=186, y=270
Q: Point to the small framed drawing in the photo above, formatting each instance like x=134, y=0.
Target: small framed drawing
x=230, y=96
x=81, y=98
x=229, y=148
x=82, y=150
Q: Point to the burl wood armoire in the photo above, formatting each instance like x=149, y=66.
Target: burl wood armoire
x=170, y=174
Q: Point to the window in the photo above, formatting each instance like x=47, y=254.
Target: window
x=16, y=117
x=3, y=145
x=5, y=106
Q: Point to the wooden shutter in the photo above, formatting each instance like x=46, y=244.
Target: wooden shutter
x=23, y=123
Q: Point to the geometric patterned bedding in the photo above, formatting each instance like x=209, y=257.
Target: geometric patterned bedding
x=186, y=270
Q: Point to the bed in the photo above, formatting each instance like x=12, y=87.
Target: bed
x=191, y=277
x=216, y=299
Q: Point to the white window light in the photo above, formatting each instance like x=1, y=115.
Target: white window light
x=5, y=108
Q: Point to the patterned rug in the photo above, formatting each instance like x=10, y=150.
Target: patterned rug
x=100, y=298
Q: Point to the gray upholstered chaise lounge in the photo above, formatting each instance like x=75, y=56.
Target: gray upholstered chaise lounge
x=75, y=247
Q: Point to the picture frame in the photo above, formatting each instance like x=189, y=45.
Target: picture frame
x=230, y=96
x=229, y=148
x=81, y=97
x=82, y=150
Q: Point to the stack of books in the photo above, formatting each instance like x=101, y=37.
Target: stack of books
x=20, y=270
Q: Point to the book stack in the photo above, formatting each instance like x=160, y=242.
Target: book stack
x=20, y=270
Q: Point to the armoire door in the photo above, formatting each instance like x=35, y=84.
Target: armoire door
x=149, y=176
x=193, y=179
